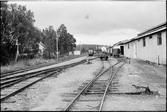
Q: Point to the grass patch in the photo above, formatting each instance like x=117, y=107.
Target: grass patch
x=24, y=63
x=21, y=64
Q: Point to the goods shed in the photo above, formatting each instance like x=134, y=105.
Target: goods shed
x=149, y=45
x=119, y=45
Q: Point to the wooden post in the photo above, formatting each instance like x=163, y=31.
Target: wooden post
x=17, y=52
x=158, y=59
x=57, y=49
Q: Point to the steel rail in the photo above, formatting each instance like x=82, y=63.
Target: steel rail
x=21, y=75
x=27, y=69
x=96, y=78
x=49, y=69
x=87, y=86
x=21, y=89
x=19, y=78
x=72, y=102
x=49, y=74
x=10, y=83
x=108, y=84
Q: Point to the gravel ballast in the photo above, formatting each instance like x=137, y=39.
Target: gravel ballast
x=48, y=95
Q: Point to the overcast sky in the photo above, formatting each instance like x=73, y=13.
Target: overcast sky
x=99, y=22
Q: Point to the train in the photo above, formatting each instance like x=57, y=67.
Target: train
x=116, y=52
x=104, y=53
x=91, y=52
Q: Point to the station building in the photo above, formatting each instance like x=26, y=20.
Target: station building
x=149, y=45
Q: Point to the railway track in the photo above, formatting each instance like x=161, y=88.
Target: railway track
x=15, y=83
x=27, y=69
x=23, y=70
x=91, y=96
x=13, y=74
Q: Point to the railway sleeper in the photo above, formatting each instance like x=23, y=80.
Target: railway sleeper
x=128, y=93
x=10, y=82
x=86, y=106
x=88, y=100
x=69, y=94
x=84, y=109
x=67, y=100
x=98, y=85
x=90, y=97
x=94, y=86
x=113, y=87
x=3, y=94
x=97, y=88
x=17, y=81
x=87, y=81
x=116, y=82
x=95, y=91
x=8, y=101
x=8, y=91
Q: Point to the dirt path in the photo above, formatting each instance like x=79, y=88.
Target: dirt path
x=140, y=74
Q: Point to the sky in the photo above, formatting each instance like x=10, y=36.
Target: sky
x=98, y=22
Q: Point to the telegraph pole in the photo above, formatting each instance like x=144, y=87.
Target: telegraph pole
x=57, y=39
x=17, y=52
x=80, y=47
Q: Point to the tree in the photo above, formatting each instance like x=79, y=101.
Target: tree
x=83, y=50
x=19, y=35
x=66, y=40
x=30, y=47
x=17, y=31
x=21, y=25
x=49, y=41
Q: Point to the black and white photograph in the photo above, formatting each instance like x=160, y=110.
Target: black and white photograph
x=83, y=55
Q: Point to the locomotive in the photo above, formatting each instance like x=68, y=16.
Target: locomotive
x=104, y=54
x=90, y=52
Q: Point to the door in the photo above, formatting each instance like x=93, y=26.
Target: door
x=122, y=50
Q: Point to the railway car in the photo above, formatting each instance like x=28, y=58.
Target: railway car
x=110, y=51
x=90, y=52
x=104, y=54
x=116, y=52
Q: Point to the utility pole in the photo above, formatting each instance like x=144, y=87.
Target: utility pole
x=57, y=39
x=17, y=52
x=80, y=47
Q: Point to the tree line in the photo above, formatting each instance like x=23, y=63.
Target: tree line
x=20, y=36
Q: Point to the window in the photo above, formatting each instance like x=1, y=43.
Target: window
x=144, y=42
x=138, y=40
x=159, y=39
x=128, y=45
x=150, y=37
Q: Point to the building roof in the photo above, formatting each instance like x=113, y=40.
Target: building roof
x=160, y=26
x=147, y=32
x=122, y=42
x=152, y=30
